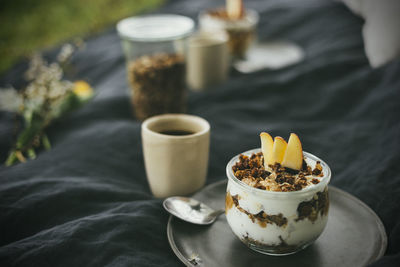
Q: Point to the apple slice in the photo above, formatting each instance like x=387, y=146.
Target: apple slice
x=278, y=151
x=266, y=148
x=294, y=153
x=234, y=9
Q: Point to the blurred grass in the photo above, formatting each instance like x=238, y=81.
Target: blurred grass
x=28, y=25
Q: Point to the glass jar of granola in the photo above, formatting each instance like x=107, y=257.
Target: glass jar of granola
x=155, y=47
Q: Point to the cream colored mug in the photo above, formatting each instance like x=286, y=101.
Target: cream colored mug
x=175, y=149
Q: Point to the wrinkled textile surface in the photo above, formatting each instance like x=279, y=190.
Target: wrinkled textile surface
x=87, y=202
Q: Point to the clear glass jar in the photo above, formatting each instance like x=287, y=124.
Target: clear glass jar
x=277, y=223
x=155, y=48
x=241, y=32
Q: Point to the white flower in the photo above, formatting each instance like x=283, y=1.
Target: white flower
x=66, y=51
x=10, y=100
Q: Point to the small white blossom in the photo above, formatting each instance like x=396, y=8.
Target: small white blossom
x=10, y=100
x=66, y=51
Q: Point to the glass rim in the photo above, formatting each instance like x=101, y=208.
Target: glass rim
x=318, y=187
x=250, y=19
x=124, y=27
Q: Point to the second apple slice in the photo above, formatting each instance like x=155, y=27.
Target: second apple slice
x=278, y=150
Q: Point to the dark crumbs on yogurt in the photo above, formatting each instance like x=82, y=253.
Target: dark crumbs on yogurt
x=251, y=171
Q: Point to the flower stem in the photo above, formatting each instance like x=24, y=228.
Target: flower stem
x=46, y=142
x=20, y=156
x=31, y=153
x=11, y=158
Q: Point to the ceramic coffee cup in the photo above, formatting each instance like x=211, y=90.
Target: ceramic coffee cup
x=207, y=60
x=175, y=149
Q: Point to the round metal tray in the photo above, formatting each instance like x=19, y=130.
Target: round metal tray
x=354, y=236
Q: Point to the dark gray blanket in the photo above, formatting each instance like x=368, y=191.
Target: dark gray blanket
x=87, y=202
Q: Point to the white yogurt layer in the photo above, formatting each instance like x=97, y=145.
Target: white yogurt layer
x=293, y=233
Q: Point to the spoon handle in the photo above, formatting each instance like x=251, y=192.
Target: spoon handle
x=217, y=213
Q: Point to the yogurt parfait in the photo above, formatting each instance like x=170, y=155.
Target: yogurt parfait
x=238, y=23
x=277, y=197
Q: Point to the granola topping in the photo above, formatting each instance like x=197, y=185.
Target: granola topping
x=251, y=171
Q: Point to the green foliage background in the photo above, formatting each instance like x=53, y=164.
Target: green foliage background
x=29, y=25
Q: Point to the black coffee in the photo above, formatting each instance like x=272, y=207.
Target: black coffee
x=176, y=132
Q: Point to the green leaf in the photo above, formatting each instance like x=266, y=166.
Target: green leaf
x=69, y=103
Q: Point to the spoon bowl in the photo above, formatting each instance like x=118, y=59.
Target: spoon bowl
x=191, y=210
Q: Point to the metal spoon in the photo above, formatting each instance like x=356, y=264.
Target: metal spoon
x=191, y=210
